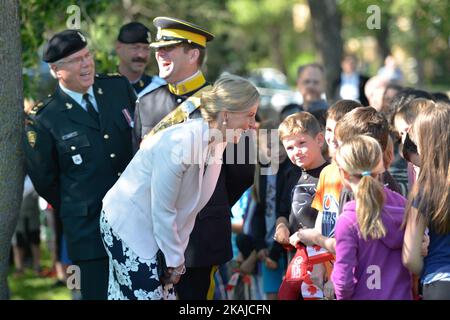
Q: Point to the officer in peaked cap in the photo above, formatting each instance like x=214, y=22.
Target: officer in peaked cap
x=176, y=42
x=180, y=48
x=78, y=142
x=133, y=50
x=173, y=31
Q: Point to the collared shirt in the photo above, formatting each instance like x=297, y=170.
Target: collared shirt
x=142, y=82
x=78, y=97
x=349, y=86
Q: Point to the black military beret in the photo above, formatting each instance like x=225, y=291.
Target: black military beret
x=172, y=31
x=63, y=44
x=134, y=32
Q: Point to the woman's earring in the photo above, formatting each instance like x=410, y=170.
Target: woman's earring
x=224, y=123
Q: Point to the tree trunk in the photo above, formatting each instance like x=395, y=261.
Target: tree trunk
x=382, y=35
x=418, y=50
x=276, y=48
x=11, y=131
x=326, y=20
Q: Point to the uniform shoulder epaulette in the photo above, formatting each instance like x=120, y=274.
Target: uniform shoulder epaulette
x=156, y=83
x=41, y=105
x=108, y=75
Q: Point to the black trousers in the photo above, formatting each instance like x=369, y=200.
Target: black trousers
x=94, y=278
x=197, y=284
x=438, y=290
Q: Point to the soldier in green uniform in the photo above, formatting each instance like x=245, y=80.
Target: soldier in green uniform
x=134, y=54
x=78, y=143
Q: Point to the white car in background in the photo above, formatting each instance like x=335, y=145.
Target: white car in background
x=274, y=90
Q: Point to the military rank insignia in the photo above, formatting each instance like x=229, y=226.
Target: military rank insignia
x=82, y=37
x=77, y=159
x=31, y=136
x=36, y=108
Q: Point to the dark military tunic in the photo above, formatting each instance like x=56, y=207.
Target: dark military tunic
x=210, y=240
x=140, y=85
x=74, y=160
x=153, y=106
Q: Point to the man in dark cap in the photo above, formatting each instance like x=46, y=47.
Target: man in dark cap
x=133, y=50
x=78, y=144
x=180, y=51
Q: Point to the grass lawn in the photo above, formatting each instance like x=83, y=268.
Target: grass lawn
x=31, y=287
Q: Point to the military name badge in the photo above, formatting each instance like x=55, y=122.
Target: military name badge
x=70, y=135
x=31, y=136
x=77, y=159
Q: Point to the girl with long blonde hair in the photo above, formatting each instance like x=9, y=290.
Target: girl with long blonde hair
x=368, y=232
x=429, y=203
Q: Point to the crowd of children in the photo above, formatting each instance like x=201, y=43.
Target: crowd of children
x=344, y=221
x=355, y=208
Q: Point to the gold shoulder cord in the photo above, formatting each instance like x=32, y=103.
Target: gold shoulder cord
x=179, y=114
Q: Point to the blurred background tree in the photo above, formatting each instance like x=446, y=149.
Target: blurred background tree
x=415, y=32
x=40, y=19
x=252, y=34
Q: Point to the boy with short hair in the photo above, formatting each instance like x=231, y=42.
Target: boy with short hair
x=336, y=112
x=367, y=121
x=326, y=200
x=303, y=139
x=329, y=198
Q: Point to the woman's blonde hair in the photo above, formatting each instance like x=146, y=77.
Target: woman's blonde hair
x=431, y=133
x=229, y=93
x=360, y=157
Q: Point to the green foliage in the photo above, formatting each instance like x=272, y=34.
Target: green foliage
x=40, y=19
x=301, y=59
x=249, y=33
x=419, y=27
x=264, y=36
